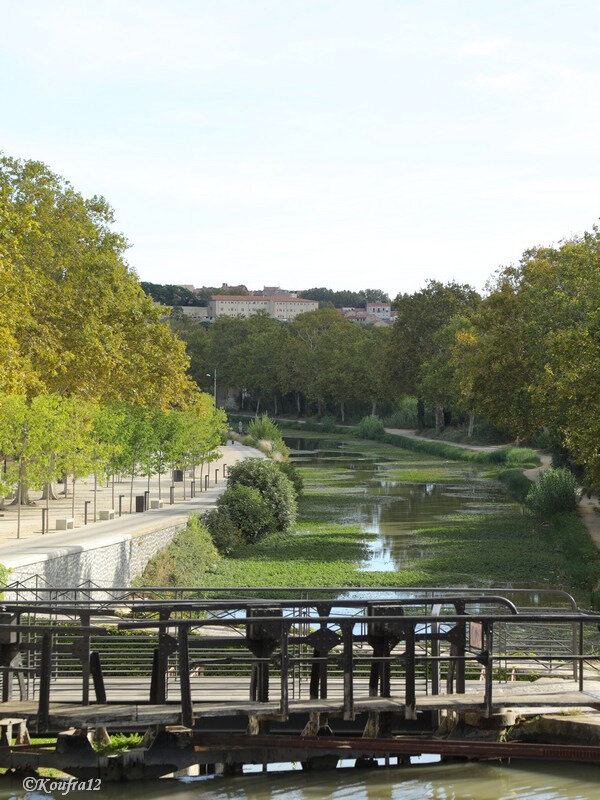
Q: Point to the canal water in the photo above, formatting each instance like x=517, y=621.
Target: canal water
x=389, y=496
x=441, y=781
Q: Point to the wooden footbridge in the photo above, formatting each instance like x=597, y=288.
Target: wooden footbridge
x=218, y=676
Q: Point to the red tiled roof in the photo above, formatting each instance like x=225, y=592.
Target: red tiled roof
x=281, y=298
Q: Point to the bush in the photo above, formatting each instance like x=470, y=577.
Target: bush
x=554, y=491
x=248, y=510
x=273, y=485
x=265, y=429
x=224, y=532
x=329, y=425
x=191, y=554
x=291, y=472
x=370, y=427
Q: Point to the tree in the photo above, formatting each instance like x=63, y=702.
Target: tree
x=419, y=317
x=79, y=323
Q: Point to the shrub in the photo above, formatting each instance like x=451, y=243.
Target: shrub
x=264, y=427
x=272, y=484
x=290, y=471
x=370, y=427
x=248, y=511
x=225, y=534
x=554, y=491
x=329, y=424
x=191, y=554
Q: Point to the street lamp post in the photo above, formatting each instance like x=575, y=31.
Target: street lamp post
x=214, y=377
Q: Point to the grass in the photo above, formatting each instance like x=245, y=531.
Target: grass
x=510, y=456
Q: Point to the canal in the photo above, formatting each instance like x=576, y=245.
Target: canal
x=421, y=521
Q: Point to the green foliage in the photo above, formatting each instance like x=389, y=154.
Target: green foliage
x=272, y=484
x=291, y=471
x=170, y=295
x=516, y=483
x=248, y=510
x=118, y=743
x=344, y=298
x=190, y=555
x=225, y=534
x=263, y=427
x=555, y=491
x=329, y=424
x=370, y=427
x=505, y=455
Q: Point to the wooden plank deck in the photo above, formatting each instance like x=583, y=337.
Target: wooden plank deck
x=543, y=693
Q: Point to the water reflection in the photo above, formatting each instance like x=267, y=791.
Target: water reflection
x=445, y=781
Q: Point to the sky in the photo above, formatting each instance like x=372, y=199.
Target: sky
x=310, y=143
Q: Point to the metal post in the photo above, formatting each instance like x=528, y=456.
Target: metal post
x=45, y=670
x=171, y=495
x=187, y=711
x=206, y=482
x=581, y=656
x=285, y=667
x=85, y=511
x=193, y=488
x=121, y=496
x=216, y=476
x=43, y=520
x=146, y=500
x=348, y=665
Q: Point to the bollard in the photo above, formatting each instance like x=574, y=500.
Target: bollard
x=85, y=511
x=146, y=500
x=193, y=488
x=121, y=496
x=206, y=482
x=216, y=476
x=171, y=495
x=43, y=520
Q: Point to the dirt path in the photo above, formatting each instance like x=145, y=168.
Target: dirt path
x=482, y=448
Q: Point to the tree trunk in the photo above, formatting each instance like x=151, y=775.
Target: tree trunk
x=19, y=487
x=113, y=491
x=298, y=406
x=439, y=418
x=159, y=487
x=73, y=497
x=275, y=402
x=131, y=491
x=257, y=406
x=471, y=426
x=374, y=407
x=22, y=495
x=319, y=408
x=65, y=478
x=342, y=412
x=420, y=413
x=95, y=494
x=48, y=492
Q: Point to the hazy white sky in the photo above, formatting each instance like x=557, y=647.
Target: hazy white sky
x=314, y=142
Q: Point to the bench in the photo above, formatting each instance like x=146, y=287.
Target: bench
x=106, y=513
x=156, y=503
x=64, y=523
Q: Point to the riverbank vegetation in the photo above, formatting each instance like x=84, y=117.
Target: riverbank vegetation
x=494, y=542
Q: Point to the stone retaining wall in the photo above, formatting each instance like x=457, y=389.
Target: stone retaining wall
x=115, y=564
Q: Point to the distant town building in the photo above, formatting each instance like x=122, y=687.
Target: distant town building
x=381, y=310
x=365, y=316
x=283, y=307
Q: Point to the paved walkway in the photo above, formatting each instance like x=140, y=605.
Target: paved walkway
x=34, y=547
